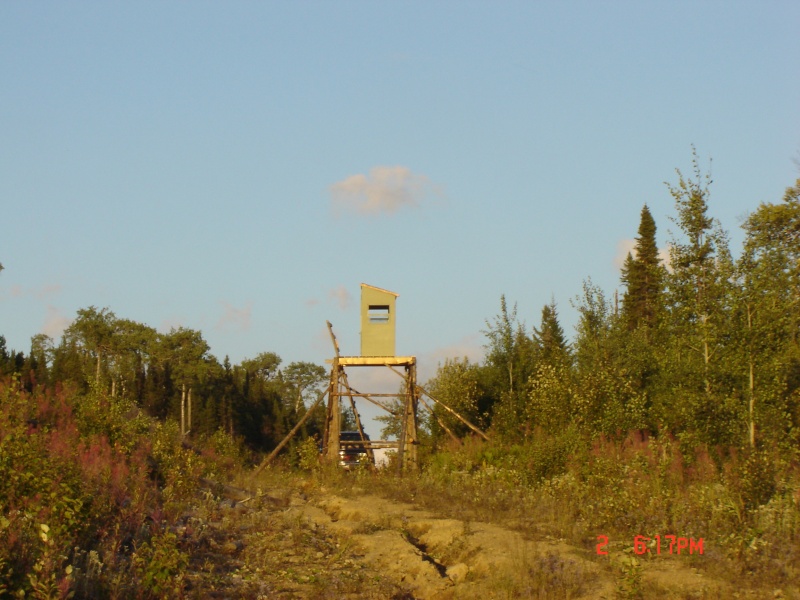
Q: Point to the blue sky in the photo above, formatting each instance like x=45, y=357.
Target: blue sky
x=241, y=167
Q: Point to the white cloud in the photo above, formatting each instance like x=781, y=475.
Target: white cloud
x=47, y=290
x=384, y=190
x=54, y=323
x=341, y=297
x=40, y=293
x=235, y=319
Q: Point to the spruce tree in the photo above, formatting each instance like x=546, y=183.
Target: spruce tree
x=643, y=277
x=549, y=339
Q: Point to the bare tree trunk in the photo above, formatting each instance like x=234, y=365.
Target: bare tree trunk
x=183, y=410
x=189, y=427
x=752, y=405
x=752, y=382
x=706, y=353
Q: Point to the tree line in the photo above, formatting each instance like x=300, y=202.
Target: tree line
x=172, y=375
x=702, y=346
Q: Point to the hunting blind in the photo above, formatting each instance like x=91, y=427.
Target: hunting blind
x=378, y=320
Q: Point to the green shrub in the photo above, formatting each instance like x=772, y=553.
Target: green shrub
x=308, y=455
x=160, y=566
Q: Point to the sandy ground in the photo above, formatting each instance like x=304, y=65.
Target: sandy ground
x=434, y=557
x=308, y=542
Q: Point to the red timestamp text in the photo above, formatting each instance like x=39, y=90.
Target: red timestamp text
x=658, y=544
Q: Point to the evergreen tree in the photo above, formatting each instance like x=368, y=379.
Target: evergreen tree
x=643, y=276
x=637, y=331
x=4, y=357
x=549, y=340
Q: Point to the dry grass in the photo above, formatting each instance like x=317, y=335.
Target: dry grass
x=269, y=551
x=745, y=507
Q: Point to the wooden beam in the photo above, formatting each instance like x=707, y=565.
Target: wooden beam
x=444, y=406
x=375, y=361
x=291, y=434
x=439, y=421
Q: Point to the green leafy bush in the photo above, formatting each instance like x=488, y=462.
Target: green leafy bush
x=83, y=477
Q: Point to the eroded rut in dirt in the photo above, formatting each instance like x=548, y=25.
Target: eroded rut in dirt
x=320, y=546
x=436, y=557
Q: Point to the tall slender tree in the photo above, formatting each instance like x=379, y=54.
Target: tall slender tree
x=186, y=351
x=509, y=365
x=500, y=351
x=643, y=275
x=695, y=392
x=702, y=267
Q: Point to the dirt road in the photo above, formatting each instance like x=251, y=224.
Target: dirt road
x=307, y=542
x=435, y=557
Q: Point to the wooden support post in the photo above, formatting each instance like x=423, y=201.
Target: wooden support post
x=339, y=387
x=334, y=424
x=359, y=426
x=410, y=426
x=291, y=434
